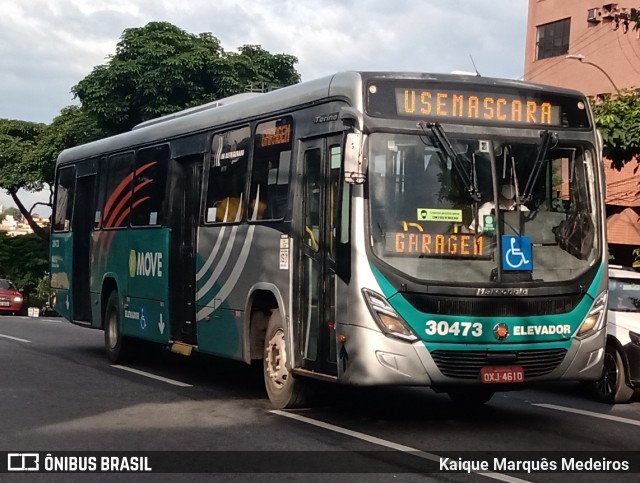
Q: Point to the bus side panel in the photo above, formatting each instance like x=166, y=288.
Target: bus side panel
x=61, y=269
x=231, y=260
x=146, y=311
x=109, y=256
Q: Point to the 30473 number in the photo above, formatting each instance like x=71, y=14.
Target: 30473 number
x=456, y=328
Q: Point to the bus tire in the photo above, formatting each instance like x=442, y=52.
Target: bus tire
x=471, y=397
x=284, y=389
x=611, y=388
x=117, y=346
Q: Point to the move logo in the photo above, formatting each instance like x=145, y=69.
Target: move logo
x=145, y=264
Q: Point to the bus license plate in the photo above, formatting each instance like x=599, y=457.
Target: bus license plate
x=502, y=374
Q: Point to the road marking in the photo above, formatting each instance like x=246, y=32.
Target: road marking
x=14, y=338
x=388, y=444
x=589, y=413
x=152, y=376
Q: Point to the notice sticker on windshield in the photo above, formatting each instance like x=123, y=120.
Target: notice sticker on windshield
x=431, y=214
x=489, y=222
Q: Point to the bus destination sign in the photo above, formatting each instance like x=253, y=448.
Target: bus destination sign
x=451, y=245
x=480, y=103
x=477, y=106
x=276, y=135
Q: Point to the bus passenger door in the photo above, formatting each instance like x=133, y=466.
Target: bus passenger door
x=81, y=226
x=185, y=209
x=316, y=274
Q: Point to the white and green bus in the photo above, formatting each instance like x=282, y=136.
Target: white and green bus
x=345, y=229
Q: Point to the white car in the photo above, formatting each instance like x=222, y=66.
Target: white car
x=621, y=370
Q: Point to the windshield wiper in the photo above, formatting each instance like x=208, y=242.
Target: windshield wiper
x=547, y=137
x=440, y=136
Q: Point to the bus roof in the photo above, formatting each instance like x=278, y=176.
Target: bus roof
x=244, y=106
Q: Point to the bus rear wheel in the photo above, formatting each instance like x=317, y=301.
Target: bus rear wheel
x=117, y=346
x=284, y=389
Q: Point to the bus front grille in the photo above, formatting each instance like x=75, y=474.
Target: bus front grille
x=467, y=364
x=493, y=306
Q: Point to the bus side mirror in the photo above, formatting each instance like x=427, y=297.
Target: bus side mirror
x=353, y=164
x=354, y=169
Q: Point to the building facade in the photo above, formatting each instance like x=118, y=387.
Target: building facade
x=593, y=47
x=13, y=227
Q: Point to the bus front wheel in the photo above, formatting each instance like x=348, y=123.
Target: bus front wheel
x=283, y=388
x=116, y=345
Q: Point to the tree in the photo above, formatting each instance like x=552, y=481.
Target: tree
x=28, y=153
x=70, y=128
x=24, y=260
x=258, y=69
x=17, y=167
x=159, y=69
x=11, y=211
x=618, y=119
x=156, y=70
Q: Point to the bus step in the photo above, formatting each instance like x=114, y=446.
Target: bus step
x=182, y=348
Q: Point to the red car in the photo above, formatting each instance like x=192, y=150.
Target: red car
x=10, y=297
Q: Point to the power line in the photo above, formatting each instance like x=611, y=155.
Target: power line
x=626, y=57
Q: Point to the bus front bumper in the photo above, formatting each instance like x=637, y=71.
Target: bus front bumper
x=369, y=357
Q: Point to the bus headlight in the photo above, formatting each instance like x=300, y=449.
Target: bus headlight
x=596, y=316
x=387, y=318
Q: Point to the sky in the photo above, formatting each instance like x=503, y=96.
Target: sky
x=48, y=46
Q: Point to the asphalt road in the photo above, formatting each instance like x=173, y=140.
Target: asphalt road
x=58, y=393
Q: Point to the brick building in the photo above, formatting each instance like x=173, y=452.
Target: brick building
x=591, y=46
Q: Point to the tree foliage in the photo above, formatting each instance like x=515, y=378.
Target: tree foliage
x=11, y=211
x=18, y=169
x=159, y=69
x=24, y=260
x=618, y=119
x=17, y=141
x=70, y=128
x=28, y=153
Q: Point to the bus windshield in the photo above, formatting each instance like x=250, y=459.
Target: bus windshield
x=434, y=218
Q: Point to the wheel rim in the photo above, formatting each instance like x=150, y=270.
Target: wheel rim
x=112, y=330
x=276, y=360
x=607, y=383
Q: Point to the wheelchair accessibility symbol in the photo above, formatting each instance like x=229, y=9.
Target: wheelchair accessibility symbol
x=516, y=253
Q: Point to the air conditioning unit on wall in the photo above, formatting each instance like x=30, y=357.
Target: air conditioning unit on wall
x=609, y=11
x=593, y=15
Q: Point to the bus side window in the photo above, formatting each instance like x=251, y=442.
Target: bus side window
x=149, y=185
x=270, y=170
x=227, y=176
x=115, y=213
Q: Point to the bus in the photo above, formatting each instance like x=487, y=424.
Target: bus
x=342, y=230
